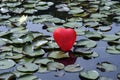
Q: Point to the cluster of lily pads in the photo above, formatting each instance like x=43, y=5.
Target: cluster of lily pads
x=31, y=52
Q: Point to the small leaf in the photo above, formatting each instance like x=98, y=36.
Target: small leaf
x=58, y=55
x=6, y=63
x=73, y=68
x=86, y=43
x=89, y=75
x=106, y=66
x=44, y=61
x=55, y=66
x=28, y=77
x=22, y=19
x=27, y=67
x=7, y=76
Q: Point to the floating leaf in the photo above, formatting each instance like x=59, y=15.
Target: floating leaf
x=7, y=76
x=73, y=24
x=93, y=35
x=112, y=50
x=110, y=37
x=55, y=66
x=58, y=55
x=29, y=50
x=89, y=75
x=106, y=66
x=76, y=10
x=27, y=67
x=91, y=24
x=73, y=68
x=43, y=61
x=105, y=28
x=80, y=32
x=118, y=75
x=6, y=63
x=22, y=19
x=19, y=74
x=28, y=77
x=86, y=43
x=42, y=69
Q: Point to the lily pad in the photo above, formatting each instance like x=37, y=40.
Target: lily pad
x=93, y=35
x=110, y=37
x=73, y=68
x=27, y=67
x=28, y=77
x=86, y=43
x=73, y=24
x=105, y=28
x=7, y=76
x=19, y=74
x=6, y=63
x=58, y=55
x=105, y=78
x=118, y=75
x=106, y=66
x=89, y=75
x=55, y=66
x=29, y=50
x=112, y=50
x=44, y=61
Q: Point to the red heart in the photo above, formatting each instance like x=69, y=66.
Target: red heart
x=65, y=38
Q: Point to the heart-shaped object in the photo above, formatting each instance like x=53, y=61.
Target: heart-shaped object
x=65, y=38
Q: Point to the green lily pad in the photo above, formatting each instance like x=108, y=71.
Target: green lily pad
x=6, y=63
x=106, y=66
x=91, y=24
x=89, y=75
x=80, y=32
x=73, y=24
x=7, y=76
x=42, y=69
x=13, y=4
x=27, y=67
x=58, y=55
x=110, y=37
x=105, y=28
x=30, y=51
x=44, y=61
x=112, y=50
x=118, y=75
x=19, y=74
x=93, y=35
x=30, y=11
x=73, y=68
x=14, y=56
x=39, y=43
x=51, y=45
x=76, y=10
x=118, y=47
x=83, y=51
x=98, y=15
x=28, y=77
x=55, y=66
x=86, y=43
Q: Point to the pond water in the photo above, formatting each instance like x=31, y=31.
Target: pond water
x=22, y=26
